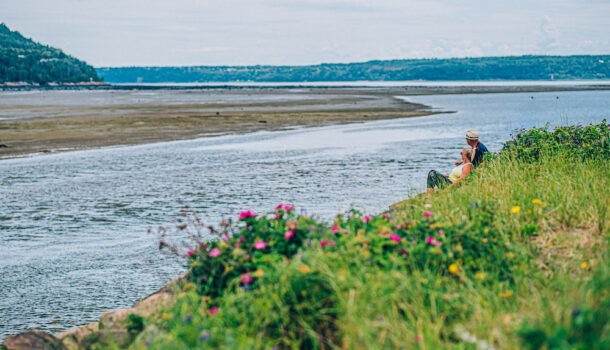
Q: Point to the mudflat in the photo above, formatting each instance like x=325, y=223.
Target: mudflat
x=63, y=120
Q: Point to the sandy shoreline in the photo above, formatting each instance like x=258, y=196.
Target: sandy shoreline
x=75, y=120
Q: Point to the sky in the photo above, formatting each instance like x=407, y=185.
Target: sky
x=111, y=33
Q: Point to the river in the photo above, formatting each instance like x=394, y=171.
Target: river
x=73, y=225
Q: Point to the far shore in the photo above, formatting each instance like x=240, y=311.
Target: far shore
x=60, y=127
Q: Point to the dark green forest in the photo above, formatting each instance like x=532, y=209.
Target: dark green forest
x=483, y=68
x=23, y=60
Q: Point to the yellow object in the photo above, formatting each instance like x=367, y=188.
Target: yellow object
x=456, y=173
x=259, y=273
x=453, y=268
x=515, y=209
x=537, y=201
x=304, y=269
x=584, y=265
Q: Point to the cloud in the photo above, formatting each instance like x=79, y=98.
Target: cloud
x=549, y=34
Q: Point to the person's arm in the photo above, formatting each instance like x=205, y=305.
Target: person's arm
x=465, y=171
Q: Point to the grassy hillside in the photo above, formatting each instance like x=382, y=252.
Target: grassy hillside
x=514, y=258
x=23, y=60
x=483, y=68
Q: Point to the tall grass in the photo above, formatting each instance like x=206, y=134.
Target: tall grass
x=515, y=257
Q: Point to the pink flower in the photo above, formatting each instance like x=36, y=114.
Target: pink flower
x=366, y=218
x=288, y=208
x=428, y=213
x=246, y=214
x=260, y=245
x=418, y=338
x=430, y=240
x=289, y=234
x=398, y=227
x=226, y=237
x=437, y=243
x=441, y=233
x=323, y=243
x=246, y=278
x=214, y=310
x=395, y=238
x=333, y=243
x=214, y=253
x=242, y=239
x=335, y=229
x=190, y=252
x=279, y=206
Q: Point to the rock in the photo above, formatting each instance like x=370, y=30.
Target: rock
x=33, y=339
x=72, y=339
x=113, y=328
x=3, y=145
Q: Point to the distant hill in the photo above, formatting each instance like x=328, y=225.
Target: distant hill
x=23, y=60
x=483, y=68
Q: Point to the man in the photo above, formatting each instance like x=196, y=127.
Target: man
x=472, y=138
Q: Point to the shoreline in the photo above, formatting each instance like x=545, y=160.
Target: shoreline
x=81, y=126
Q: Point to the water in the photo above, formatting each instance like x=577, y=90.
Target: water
x=73, y=226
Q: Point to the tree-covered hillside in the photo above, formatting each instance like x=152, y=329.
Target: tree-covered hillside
x=23, y=60
x=483, y=68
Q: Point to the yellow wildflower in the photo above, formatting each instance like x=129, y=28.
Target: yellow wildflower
x=529, y=211
x=165, y=316
x=480, y=275
x=453, y=268
x=304, y=269
x=515, y=209
x=484, y=240
x=506, y=294
x=543, y=205
x=229, y=268
x=584, y=265
x=258, y=273
x=304, y=293
x=537, y=201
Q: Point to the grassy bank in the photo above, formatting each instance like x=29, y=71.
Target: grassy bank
x=516, y=257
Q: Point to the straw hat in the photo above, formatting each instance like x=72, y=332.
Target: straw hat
x=472, y=135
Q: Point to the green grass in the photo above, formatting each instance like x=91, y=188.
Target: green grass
x=522, y=263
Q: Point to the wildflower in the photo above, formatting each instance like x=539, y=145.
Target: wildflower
x=584, y=265
x=395, y=238
x=214, y=310
x=427, y=205
x=288, y=208
x=165, y=316
x=335, y=229
x=453, y=268
x=279, y=206
x=246, y=214
x=246, y=278
x=480, y=275
x=418, y=338
x=304, y=293
x=366, y=218
x=304, y=269
x=515, y=209
x=205, y=336
x=429, y=240
x=428, y=213
x=260, y=245
x=323, y=243
x=189, y=318
x=190, y=252
x=437, y=243
x=537, y=201
x=288, y=234
x=505, y=295
x=214, y=253
x=441, y=233
x=292, y=225
x=259, y=273
x=333, y=243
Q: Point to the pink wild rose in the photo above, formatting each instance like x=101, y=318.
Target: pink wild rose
x=366, y=218
x=323, y=243
x=246, y=278
x=333, y=243
x=214, y=310
x=441, y=233
x=260, y=245
x=190, y=252
x=430, y=240
x=428, y=213
x=288, y=208
x=395, y=238
x=335, y=229
x=246, y=214
x=288, y=235
x=437, y=243
x=214, y=253
x=279, y=206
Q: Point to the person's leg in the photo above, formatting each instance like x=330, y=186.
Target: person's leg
x=436, y=180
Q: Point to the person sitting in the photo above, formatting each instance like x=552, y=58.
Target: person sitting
x=472, y=139
x=458, y=174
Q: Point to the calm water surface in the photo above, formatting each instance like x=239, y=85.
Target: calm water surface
x=73, y=226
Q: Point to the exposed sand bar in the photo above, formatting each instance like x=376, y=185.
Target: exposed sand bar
x=60, y=120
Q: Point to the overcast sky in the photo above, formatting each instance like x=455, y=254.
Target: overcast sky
x=235, y=32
